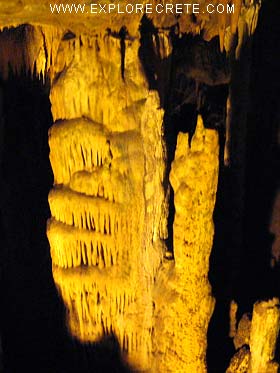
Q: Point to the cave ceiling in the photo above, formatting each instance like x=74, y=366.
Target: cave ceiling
x=14, y=13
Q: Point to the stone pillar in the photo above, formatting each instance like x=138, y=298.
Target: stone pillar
x=107, y=204
x=185, y=312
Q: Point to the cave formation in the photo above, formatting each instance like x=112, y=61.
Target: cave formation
x=134, y=151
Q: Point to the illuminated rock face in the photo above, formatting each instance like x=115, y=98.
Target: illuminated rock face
x=109, y=205
x=109, y=212
x=184, y=305
x=103, y=148
x=256, y=340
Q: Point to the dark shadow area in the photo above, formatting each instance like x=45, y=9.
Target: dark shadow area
x=158, y=71
x=220, y=348
x=101, y=357
x=198, y=84
x=155, y=65
x=32, y=317
x=228, y=246
x=240, y=260
x=192, y=80
x=263, y=160
x=29, y=307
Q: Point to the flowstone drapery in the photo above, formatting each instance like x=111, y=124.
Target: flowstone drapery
x=100, y=243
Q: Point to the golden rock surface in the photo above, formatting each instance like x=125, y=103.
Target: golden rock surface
x=109, y=213
x=256, y=339
x=240, y=361
x=263, y=337
x=194, y=178
x=108, y=204
x=40, y=13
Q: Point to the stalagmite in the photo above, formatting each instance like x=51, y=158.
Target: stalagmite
x=232, y=318
x=255, y=340
x=240, y=361
x=184, y=320
x=263, y=337
x=242, y=336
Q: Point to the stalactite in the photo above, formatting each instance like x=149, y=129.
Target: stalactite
x=29, y=49
x=247, y=24
x=227, y=154
x=222, y=20
x=235, y=15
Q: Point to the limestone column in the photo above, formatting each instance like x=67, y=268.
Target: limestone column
x=183, y=314
x=107, y=155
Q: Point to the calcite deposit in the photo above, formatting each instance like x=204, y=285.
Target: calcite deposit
x=182, y=321
x=256, y=339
